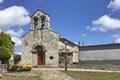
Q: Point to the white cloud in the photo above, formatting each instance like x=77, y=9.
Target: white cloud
x=1, y=1
x=13, y=16
x=117, y=40
x=116, y=35
x=83, y=35
x=114, y=5
x=16, y=36
x=14, y=33
x=18, y=53
x=17, y=41
x=104, y=24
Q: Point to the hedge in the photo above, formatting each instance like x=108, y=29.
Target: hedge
x=20, y=67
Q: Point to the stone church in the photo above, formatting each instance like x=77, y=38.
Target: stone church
x=43, y=47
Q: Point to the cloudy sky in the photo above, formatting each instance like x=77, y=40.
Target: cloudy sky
x=88, y=21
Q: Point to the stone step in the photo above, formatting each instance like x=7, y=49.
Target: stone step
x=40, y=66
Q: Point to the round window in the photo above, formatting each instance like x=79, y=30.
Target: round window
x=51, y=57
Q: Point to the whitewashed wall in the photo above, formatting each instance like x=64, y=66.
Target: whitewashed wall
x=74, y=49
x=108, y=54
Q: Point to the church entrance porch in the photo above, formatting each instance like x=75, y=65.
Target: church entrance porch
x=38, y=53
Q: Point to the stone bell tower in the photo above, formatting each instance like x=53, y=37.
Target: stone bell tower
x=40, y=20
x=40, y=43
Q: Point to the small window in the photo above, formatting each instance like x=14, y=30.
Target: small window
x=35, y=22
x=43, y=19
x=51, y=57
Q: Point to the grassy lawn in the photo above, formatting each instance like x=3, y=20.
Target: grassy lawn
x=77, y=75
x=22, y=78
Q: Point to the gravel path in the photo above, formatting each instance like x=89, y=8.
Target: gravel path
x=73, y=69
x=52, y=73
x=55, y=75
x=44, y=74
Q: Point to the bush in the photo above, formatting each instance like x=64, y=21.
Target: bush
x=17, y=58
x=20, y=67
x=6, y=47
x=12, y=68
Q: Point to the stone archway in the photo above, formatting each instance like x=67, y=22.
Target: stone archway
x=40, y=52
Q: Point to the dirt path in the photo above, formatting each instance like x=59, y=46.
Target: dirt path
x=43, y=75
x=73, y=69
x=54, y=75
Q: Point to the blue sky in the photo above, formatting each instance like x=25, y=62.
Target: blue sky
x=88, y=21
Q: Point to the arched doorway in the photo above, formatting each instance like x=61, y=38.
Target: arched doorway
x=40, y=54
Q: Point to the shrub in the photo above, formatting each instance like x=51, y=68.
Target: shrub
x=12, y=68
x=6, y=47
x=17, y=58
x=20, y=67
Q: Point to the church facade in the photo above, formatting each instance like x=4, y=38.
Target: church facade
x=43, y=47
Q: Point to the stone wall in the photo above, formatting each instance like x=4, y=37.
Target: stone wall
x=50, y=42
x=72, y=54
x=99, y=59
x=107, y=54
x=62, y=59
x=72, y=49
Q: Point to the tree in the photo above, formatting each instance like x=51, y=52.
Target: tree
x=17, y=58
x=6, y=47
x=66, y=56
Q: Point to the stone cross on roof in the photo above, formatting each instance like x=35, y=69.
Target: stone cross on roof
x=39, y=7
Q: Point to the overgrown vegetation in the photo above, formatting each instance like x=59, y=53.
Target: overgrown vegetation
x=78, y=75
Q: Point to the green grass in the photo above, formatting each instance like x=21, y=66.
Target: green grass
x=23, y=78
x=77, y=75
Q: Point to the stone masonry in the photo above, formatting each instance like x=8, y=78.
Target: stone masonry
x=41, y=45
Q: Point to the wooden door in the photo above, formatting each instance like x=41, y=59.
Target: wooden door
x=41, y=58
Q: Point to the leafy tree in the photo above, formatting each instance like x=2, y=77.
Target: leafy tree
x=17, y=58
x=6, y=47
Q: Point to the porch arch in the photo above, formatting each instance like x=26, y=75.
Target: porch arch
x=39, y=50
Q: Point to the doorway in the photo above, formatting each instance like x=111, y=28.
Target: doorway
x=40, y=55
